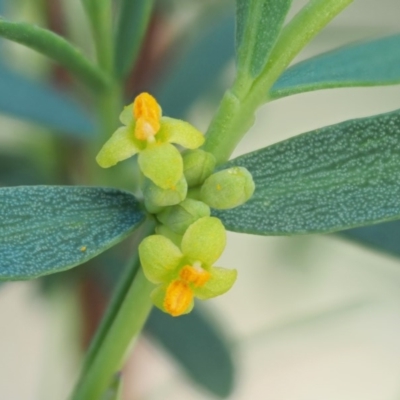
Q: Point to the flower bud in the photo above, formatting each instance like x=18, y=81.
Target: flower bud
x=198, y=165
x=228, y=188
x=179, y=217
x=172, y=236
x=156, y=197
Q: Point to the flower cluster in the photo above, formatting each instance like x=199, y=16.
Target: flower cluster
x=179, y=188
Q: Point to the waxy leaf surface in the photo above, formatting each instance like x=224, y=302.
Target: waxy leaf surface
x=48, y=229
x=330, y=179
x=373, y=63
x=258, y=25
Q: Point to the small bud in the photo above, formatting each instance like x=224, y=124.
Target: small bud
x=156, y=197
x=198, y=165
x=172, y=236
x=179, y=217
x=228, y=188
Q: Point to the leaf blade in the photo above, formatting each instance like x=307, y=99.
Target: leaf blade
x=196, y=344
x=134, y=17
x=56, y=48
x=258, y=25
x=372, y=63
x=48, y=229
x=197, y=69
x=334, y=178
x=28, y=100
x=381, y=237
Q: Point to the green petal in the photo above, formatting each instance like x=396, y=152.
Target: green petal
x=204, y=240
x=158, y=296
x=162, y=163
x=119, y=147
x=221, y=281
x=126, y=117
x=159, y=258
x=180, y=132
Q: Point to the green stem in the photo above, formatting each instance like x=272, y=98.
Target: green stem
x=121, y=324
x=236, y=112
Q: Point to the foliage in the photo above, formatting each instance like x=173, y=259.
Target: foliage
x=186, y=191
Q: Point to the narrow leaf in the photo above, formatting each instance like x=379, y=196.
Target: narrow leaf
x=198, y=69
x=330, y=179
x=56, y=48
x=41, y=104
x=18, y=170
x=258, y=25
x=200, y=349
x=372, y=63
x=48, y=229
x=134, y=17
x=100, y=14
x=381, y=237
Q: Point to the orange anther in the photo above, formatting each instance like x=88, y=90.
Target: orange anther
x=178, y=298
x=147, y=113
x=197, y=276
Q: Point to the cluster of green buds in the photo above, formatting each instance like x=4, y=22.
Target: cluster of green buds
x=180, y=188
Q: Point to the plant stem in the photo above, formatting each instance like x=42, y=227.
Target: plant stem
x=123, y=322
x=236, y=112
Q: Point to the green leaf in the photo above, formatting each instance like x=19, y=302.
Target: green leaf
x=41, y=104
x=100, y=15
x=258, y=25
x=133, y=19
x=48, y=229
x=372, y=63
x=16, y=170
x=330, y=179
x=381, y=237
x=56, y=48
x=195, y=343
x=198, y=70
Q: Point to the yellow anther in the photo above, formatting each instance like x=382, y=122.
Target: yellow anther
x=195, y=275
x=178, y=298
x=147, y=114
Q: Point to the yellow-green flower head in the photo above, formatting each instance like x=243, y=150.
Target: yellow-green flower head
x=146, y=132
x=187, y=272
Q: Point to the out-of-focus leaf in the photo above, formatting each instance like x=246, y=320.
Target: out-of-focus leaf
x=48, y=229
x=134, y=17
x=198, y=69
x=41, y=104
x=17, y=170
x=195, y=343
x=372, y=63
x=258, y=25
x=338, y=177
x=100, y=15
x=382, y=237
x=56, y=48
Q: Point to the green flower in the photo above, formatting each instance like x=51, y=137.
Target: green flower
x=187, y=272
x=147, y=133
